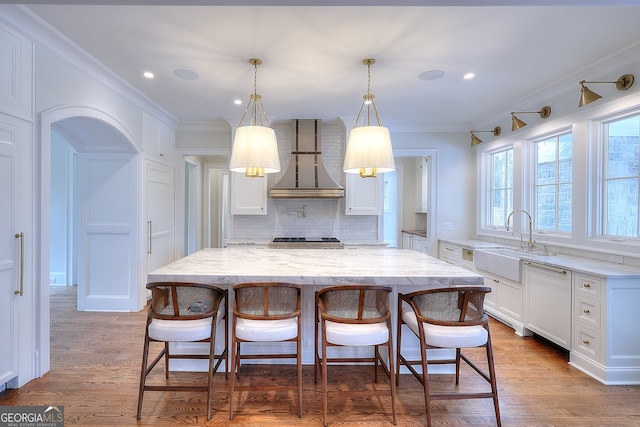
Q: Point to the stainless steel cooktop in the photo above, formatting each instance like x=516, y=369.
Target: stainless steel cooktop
x=306, y=243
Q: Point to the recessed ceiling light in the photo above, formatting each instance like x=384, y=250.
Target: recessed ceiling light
x=469, y=76
x=237, y=101
x=148, y=74
x=183, y=73
x=431, y=75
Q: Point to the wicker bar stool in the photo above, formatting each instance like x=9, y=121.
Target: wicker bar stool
x=354, y=315
x=447, y=318
x=184, y=312
x=265, y=312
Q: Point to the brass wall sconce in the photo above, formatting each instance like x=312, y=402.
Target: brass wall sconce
x=516, y=123
x=587, y=96
x=475, y=140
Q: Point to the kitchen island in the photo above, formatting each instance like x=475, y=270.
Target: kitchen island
x=403, y=270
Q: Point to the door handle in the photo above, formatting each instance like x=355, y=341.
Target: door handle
x=149, y=244
x=20, y=290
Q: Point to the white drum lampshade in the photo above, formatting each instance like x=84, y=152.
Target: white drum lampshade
x=255, y=151
x=369, y=151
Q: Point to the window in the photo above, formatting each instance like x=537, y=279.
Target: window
x=501, y=191
x=552, y=184
x=621, y=177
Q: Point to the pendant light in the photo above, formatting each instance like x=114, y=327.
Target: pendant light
x=369, y=150
x=255, y=147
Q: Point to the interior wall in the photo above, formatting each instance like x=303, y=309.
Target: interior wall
x=59, y=215
x=455, y=186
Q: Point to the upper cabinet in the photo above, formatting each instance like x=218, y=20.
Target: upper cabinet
x=248, y=195
x=363, y=195
x=422, y=184
x=158, y=140
x=16, y=74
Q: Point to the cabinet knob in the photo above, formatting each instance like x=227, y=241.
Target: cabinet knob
x=585, y=311
x=585, y=342
x=587, y=285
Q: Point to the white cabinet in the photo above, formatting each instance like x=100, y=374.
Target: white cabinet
x=363, y=195
x=420, y=244
x=505, y=301
x=248, y=195
x=422, y=184
x=588, y=317
x=16, y=74
x=415, y=241
x=160, y=208
x=158, y=140
x=605, y=341
x=407, y=240
x=456, y=255
x=17, y=240
x=548, y=302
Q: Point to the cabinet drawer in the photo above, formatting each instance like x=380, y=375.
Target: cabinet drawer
x=586, y=343
x=450, y=251
x=585, y=285
x=587, y=312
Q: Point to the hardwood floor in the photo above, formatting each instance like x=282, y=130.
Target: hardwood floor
x=95, y=368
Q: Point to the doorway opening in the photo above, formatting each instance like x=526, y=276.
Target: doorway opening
x=95, y=223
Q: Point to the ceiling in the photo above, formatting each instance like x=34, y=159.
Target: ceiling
x=312, y=55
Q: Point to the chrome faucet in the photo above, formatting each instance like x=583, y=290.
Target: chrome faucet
x=531, y=244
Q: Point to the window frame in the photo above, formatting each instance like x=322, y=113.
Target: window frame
x=486, y=169
x=532, y=160
x=601, y=157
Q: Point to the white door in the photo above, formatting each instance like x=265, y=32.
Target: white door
x=16, y=245
x=160, y=214
x=107, y=232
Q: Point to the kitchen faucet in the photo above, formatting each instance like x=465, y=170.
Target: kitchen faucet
x=520, y=235
x=531, y=244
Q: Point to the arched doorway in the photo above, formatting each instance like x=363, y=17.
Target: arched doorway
x=102, y=214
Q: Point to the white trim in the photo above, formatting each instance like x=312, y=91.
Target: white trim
x=43, y=165
x=432, y=209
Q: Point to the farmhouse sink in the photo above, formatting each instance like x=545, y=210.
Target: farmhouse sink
x=499, y=261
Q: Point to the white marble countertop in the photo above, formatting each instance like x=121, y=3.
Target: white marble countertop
x=381, y=266
x=472, y=243
x=583, y=265
x=573, y=263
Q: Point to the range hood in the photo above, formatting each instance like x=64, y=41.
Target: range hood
x=306, y=176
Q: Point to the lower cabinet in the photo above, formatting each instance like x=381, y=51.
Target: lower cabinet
x=505, y=301
x=592, y=316
x=415, y=242
x=605, y=340
x=456, y=255
x=548, y=302
x=588, y=317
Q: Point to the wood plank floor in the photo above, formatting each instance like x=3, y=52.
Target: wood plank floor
x=95, y=371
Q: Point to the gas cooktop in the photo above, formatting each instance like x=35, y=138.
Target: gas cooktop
x=305, y=239
x=306, y=243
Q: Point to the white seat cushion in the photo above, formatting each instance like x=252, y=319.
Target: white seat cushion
x=184, y=330
x=266, y=330
x=446, y=336
x=360, y=334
